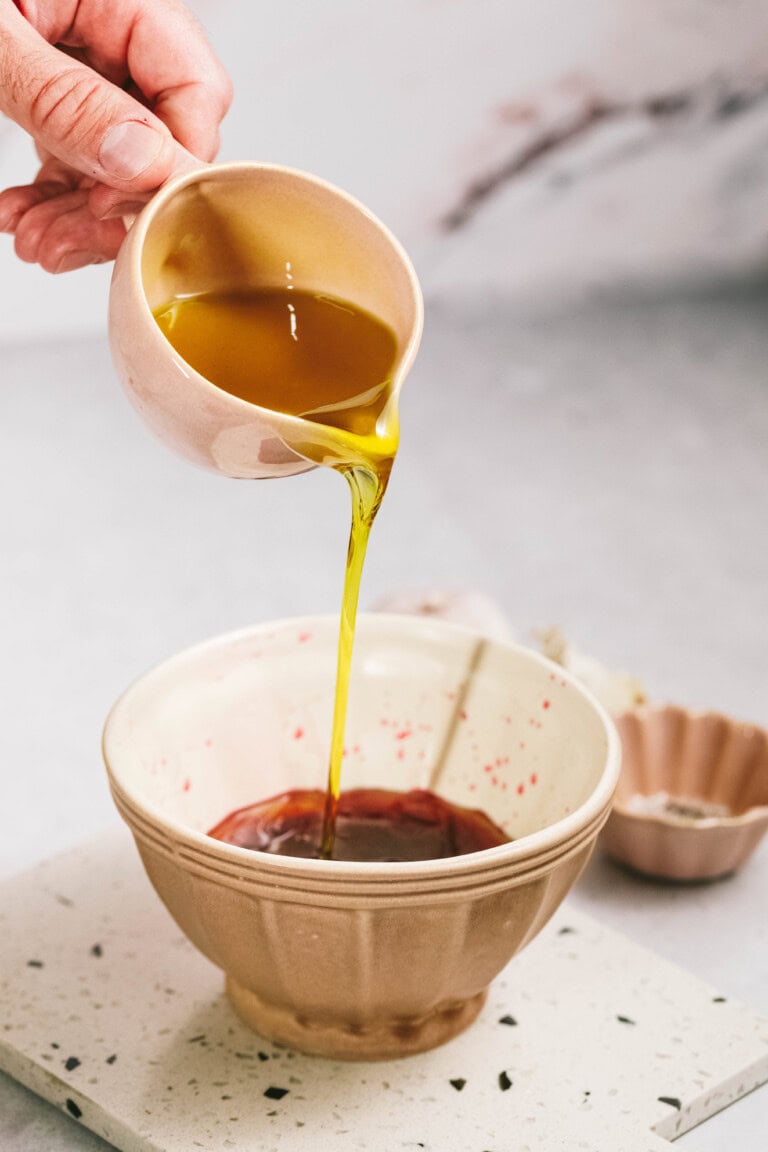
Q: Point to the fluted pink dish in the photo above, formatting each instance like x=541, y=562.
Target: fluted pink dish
x=368, y=960
x=698, y=759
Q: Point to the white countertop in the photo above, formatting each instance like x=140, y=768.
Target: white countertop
x=585, y=433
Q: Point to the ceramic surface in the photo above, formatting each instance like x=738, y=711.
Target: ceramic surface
x=361, y=960
x=233, y=224
x=694, y=757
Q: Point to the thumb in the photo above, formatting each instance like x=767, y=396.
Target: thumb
x=77, y=115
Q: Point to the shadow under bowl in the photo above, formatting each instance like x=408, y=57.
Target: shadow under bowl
x=361, y=960
x=692, y=800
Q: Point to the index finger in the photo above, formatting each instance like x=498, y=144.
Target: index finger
x=166, y=54
x=174, y=66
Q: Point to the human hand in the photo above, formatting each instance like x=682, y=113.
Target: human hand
x=116, y=94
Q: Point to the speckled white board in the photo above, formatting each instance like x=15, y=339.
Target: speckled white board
x=587, y=1040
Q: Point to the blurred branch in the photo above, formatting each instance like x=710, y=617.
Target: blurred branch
x=540, y=129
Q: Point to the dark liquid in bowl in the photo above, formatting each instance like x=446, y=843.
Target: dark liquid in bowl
x=372, y=824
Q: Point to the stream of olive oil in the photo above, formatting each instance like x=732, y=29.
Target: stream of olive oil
x=331, y=363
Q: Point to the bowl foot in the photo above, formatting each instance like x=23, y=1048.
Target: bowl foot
x=386, y=1040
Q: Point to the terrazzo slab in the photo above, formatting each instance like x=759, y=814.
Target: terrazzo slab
x=587, y=1041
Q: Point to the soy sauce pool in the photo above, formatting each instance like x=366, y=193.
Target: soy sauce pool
x=373, y=825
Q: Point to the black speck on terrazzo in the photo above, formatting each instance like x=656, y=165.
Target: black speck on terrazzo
x=504, y=1082
x=274, y=1093
x=73, y=1109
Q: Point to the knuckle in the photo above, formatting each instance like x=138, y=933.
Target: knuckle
x=68, y=103
x=226, y=91
x=214, y=86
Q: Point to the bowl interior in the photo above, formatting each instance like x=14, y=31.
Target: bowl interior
x=694, y=755
x=243, y=717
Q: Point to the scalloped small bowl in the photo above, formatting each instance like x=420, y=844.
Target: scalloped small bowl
x=699, y=760
x=361, y=960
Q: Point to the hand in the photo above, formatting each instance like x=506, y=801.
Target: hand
x=116, y=95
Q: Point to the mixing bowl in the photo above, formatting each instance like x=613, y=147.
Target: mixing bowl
x=361, y=960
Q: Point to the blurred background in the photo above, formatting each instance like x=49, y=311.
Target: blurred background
x=535, y=149
x=583, y=187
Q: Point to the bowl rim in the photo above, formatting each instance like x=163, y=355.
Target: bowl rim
x=559, y=834
x=755, y=814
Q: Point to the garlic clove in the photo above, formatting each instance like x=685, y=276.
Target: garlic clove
x=467, y=607
x=616, y=690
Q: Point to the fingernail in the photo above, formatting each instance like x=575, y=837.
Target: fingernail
x=72, y=260
x=129, y=149
x=124, y=208
x=9, y=221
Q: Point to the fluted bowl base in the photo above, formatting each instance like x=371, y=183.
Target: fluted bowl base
x=386, y=1039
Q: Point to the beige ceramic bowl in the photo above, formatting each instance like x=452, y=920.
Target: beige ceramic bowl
x=703, y=762
x=361, y=960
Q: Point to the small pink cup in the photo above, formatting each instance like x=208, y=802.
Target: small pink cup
x=236, y=226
